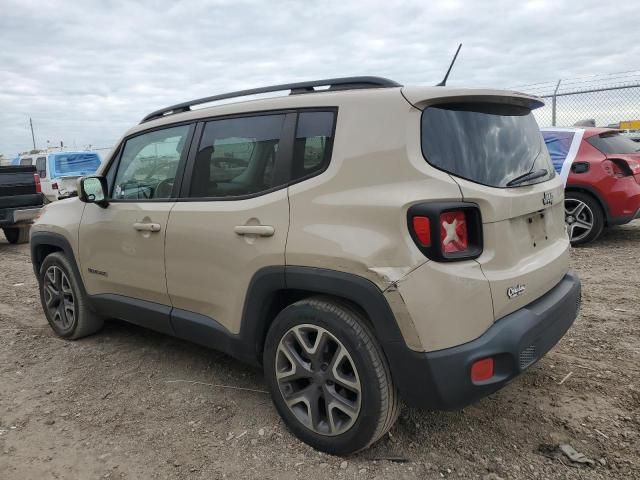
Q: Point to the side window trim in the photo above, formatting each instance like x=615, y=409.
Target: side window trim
x=114, y=165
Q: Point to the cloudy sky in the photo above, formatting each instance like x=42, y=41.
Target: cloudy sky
x=85, y=72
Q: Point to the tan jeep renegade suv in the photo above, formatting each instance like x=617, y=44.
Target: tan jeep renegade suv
x=365, y=243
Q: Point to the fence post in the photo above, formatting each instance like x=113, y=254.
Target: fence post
x=553, y=104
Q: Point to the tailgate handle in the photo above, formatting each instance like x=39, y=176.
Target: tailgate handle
x=147, y=227
x=260, y=230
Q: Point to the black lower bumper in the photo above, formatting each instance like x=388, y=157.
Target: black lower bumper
x=442, y=380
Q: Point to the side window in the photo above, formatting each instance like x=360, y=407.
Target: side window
x=41, y=166
x=26, y=161
x=314, y=142
x=237, y=157
x=149, y=163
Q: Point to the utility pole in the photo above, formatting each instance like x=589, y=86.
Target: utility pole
x=33, y=137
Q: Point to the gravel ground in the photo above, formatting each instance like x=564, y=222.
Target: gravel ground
x=126, y=403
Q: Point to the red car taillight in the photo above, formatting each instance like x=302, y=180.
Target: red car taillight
x=446, y=231
x=422, y=229
x=38, y=184
x=621, y=167
x=453, y=232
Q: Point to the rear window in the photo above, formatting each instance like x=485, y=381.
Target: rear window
x=75, y=163
x=486, y=143
x=613, y=142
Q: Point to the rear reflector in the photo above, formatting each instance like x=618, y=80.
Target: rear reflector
x=38, y=184
x=482, y=370
x=422, y=229
x=54, y=186
x=454, y=237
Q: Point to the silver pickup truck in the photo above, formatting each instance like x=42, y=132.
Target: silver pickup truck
x=21, y=199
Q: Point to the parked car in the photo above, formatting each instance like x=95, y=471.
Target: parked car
x=59, y=171
x=601, y=168
x=20, y=201
x=365, y=243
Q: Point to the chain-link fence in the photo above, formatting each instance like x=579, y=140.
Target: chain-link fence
x=607, y=100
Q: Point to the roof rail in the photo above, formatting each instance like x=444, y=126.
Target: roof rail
x=346, y=83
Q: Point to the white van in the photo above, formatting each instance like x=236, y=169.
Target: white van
x=59, y=171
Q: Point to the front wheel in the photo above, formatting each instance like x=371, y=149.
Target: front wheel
x=328, y=376
x=584, y=218
x=63, y=301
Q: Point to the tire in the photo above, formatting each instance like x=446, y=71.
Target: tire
x=63, y=301
x=17, y=235
x=584, y=218
x=340, y=329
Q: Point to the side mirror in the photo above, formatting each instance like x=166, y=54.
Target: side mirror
x=94, y=190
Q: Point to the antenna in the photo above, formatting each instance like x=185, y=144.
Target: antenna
x=444, y=80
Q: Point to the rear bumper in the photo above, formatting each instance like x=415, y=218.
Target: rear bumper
x=17, y=216
x=441, y=380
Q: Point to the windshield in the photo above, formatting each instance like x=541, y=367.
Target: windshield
x=486, y=143
x=74, y=164
x=613, y=142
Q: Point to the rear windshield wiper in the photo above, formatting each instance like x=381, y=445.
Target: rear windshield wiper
x=527, y=176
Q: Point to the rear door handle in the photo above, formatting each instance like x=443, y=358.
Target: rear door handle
x=147, y=227
x=260, y=230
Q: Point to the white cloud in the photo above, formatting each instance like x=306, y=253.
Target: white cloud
x=85, y=71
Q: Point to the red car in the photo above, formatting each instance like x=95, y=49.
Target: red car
x=601, y=169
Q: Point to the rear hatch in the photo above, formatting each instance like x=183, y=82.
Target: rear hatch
x=492, y=148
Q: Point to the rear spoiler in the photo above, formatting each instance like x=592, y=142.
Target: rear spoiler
x=422, y=97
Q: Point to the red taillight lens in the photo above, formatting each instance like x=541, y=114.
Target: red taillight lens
x=634, y=166
x=36, y=177
x=422, y=229
x=612, y=169
x=54, y=186
x=482, y=370
x=454, y=236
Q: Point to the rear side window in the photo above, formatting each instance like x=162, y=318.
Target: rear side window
x=613, y=142
x=237, y=157
x=26, y=161
x=486, y=143
x=41, y=166
x=313, y=143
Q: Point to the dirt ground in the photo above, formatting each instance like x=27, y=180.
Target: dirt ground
x=125, y=403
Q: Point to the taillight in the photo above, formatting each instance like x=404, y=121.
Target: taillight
x=615, y=169
x=422, y=229
x=36, y=177
x=634, y=166
x=446, y=231
x=54, y=185
x=453, y=232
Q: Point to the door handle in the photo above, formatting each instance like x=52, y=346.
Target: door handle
x=147, y=227
x=260, y=230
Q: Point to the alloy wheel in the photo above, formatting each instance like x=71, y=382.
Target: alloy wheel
x=578, y=218
x=58, y=298
x=318, y=379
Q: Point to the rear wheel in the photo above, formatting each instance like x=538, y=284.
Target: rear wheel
x=583, y=216
x=62, y=299
x=17, y=234
x=328, y=377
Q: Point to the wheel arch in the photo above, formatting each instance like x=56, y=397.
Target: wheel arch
x=274, y=288
x=43, y=244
